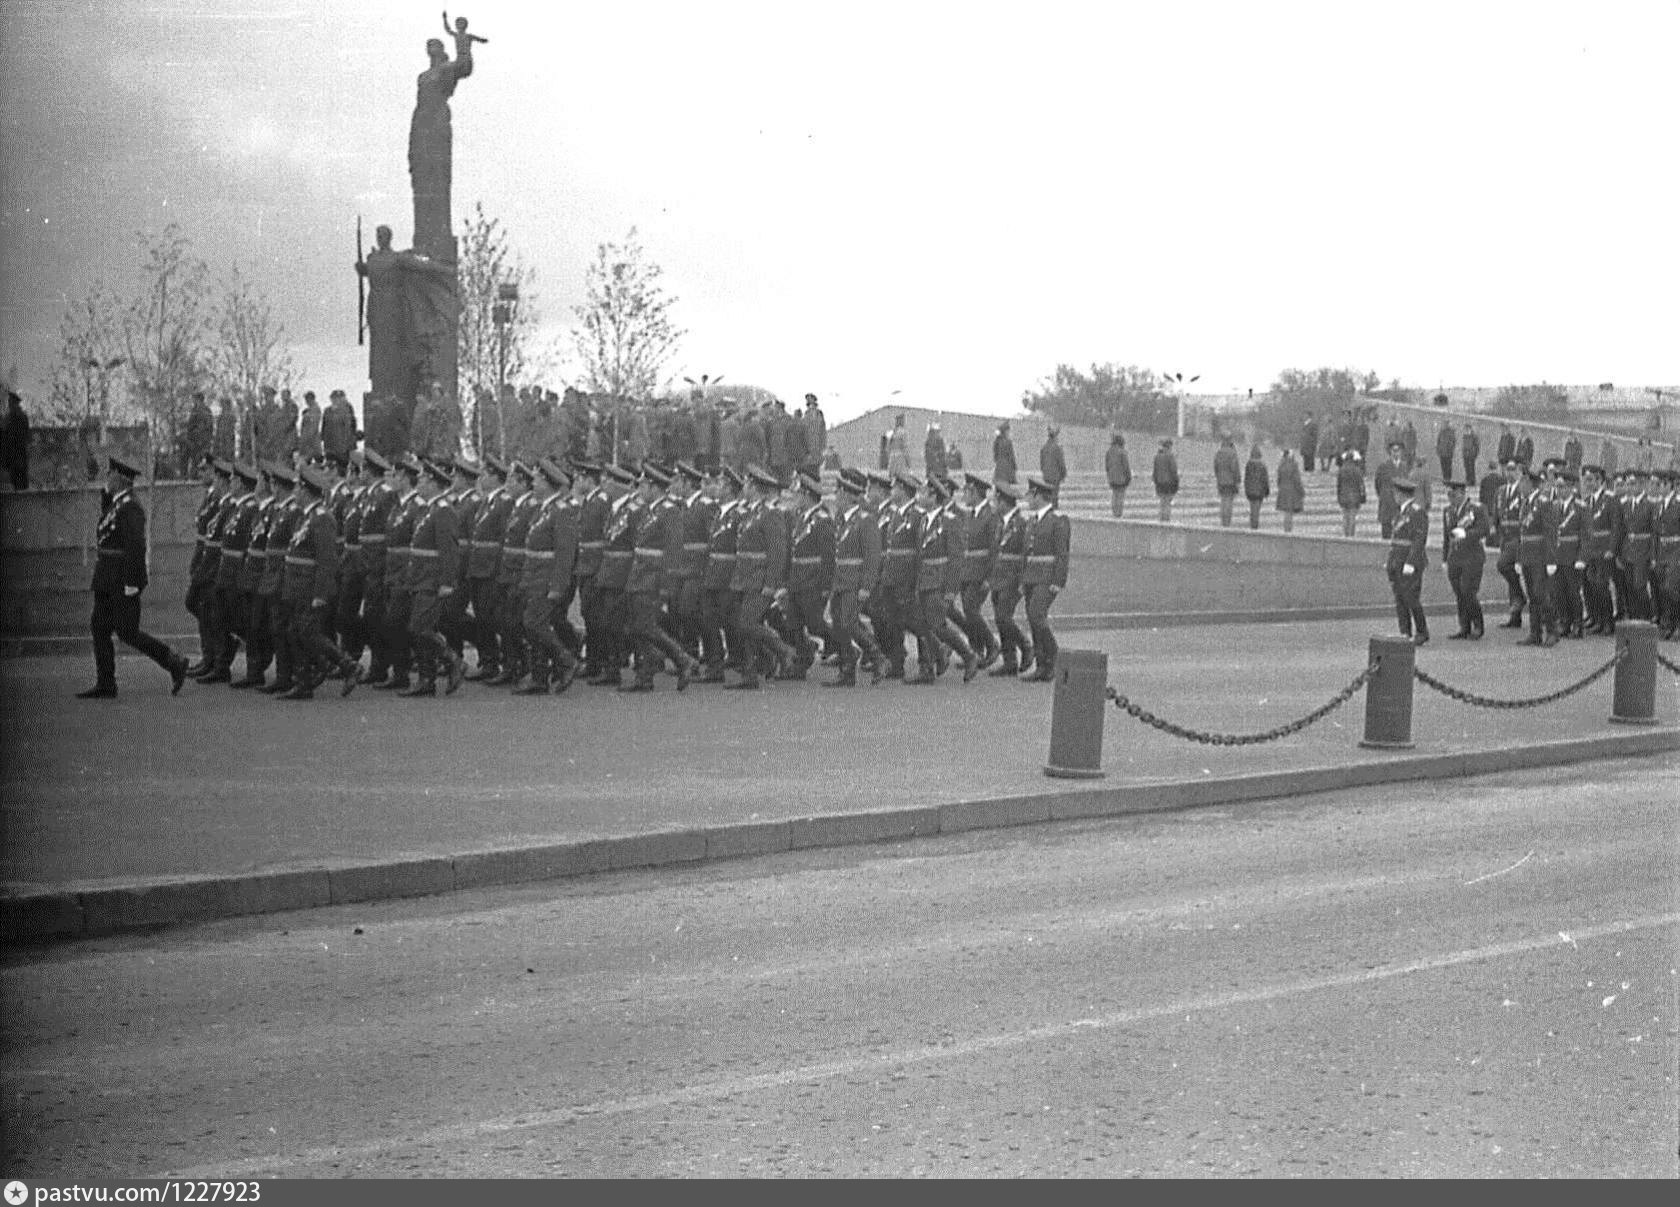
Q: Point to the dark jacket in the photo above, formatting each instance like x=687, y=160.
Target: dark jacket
x=1350, y=485
x=1052, y=464
x=1227, y=470
x=1118, y=465
x=1257, y=481
x=1003, y=457
x=1291, y=491
x=1165, y=472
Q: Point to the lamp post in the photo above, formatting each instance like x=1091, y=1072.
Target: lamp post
x=507, y=301
x=1176, y=383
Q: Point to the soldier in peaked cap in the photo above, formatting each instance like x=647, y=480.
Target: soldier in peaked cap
x=718, y=602
x=811, y=569
x=761, y=554
x=1639, y=515
x=362, y=603
x=265, y=562
x=1538, y=558
x=857, y=567
x=981, y=521
x=547, y=584
x=1048, y=549
x=1407, y=548
x=1465, y=525
x=683, y=611
x=1507, y=515
x=230, y=533
x=618, y=553
x=217, y=477
x=119, y=576
x=433, y=573
x=1009, y=564
x=508, y=609
x=406, y=472
x=311, y=579
x=938, y=576
x=483, y=542
x=657, y=544
x=1601, y=545
x=1571, y=515
x=1665, y=571
x=595, y=503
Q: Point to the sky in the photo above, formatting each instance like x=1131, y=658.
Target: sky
x=943, y=200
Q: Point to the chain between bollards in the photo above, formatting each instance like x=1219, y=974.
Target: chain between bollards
x=1661, y=661
x=1247, y=739
x=1465, y=697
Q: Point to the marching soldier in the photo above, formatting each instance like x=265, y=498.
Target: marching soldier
x=399, y=593
x=1639, y=515
x=698, y=511
x=1508, y=515
x=311, y=577
x=259, y=581
x=484, y=556
x=878, y=612
x=1538, y=557
x=362, y=612
x=981, y=550
x=1048, y=546
x=857, y=566
x=594, y=509
x=1464, y=528
x=901, y=544
x=1572, y=525
x=617, y=554
x=1666, y=567
x=1600, y=547
x=760, y=568
x=1009, y=564
x=935, y=581
x=285, y=508
x=657, y=546
x=510, y=603
x=718, y=600
x=810, y=574
x=547, y=585
x=207, y=556
x=464, y=496
x=233, y=531
x=119, y=576
x=433, y=572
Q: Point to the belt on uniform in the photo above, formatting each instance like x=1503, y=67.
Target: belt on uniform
x=897, y=552
x=1399, y=544
x=292, y=560
x=592, y=545
x=848, y=561
x=643, y=551
x=933, y=561
x=349, y=545
x=542, y=555
x=723, y=557
x=696, y=546
x=423, y=552
x=618, y=553
x=807, y=561
x=112, y=552
x=225, y=552
x=1050, y=557
x=373, y=538
x=753, y=557
x=513, y=550
x=487, y=544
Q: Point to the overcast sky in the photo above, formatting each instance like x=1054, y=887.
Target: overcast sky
x=937, y=198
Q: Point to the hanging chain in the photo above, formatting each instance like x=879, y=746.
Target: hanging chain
x=1247, y=739
x=1667, y=663
x=1465, y=697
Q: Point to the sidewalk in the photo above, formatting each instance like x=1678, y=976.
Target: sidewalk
x=150, y=809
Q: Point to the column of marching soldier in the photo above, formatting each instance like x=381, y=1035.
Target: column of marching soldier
x=1577, y=552
x=673, y=567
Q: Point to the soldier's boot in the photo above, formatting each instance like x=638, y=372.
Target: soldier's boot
x=848, y=678
x=1027, y=657
x=1010, y=666
x=713, y=673
x=485, y=673
x=565, y=673
x=277, y=687
x=687, y=671
x=538, y=686
x=1516, y=621
x=923, y=677
x=250, y=680
x=302, y=690
x=425, y=684
x=456, y=670
x=393, y=682
x=748, y=681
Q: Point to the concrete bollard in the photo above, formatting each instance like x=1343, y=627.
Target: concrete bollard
x=1077, y=715
x=1388, y=695
x=1635, y=698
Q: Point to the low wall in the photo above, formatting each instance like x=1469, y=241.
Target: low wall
x=1121, y=566
x=65, y=519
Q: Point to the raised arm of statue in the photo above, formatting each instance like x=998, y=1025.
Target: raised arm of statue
x=463, y=39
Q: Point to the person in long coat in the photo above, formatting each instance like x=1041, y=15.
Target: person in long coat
x=1291, y=490
x=1004, y=468
x=1052, y=463
x=1350, y=490
x=1119, y=469
x=1257, y=484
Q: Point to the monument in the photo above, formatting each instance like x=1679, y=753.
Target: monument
x=413, y=305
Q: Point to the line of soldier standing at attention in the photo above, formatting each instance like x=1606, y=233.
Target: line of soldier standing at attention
x=699, y=570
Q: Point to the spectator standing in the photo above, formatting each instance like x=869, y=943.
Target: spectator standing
x=1350, y=489
x=1392, y=434
x=816, y=434
x=1525, y=449
x=1388, y=506
x=1327, y=447
x=309, y=428
x=338, y=429
x=1052, y=463
x=1257, y=485
x=1164, y=474
x=1003, y=454
x=14, y=437
x=729, y=437
x=1291, y=490
x=1607, y=457
x=1227, y=477
x=898, y=447
x=752, y=446
x=1446, y=446
x=933, y=452
x=1119, y=468
x=1362, y=434
x=286, y=430
x=197, y=436
x=1309, y=440
x=222, y=443
x=1470, y=448
x=1408, y=439
x=1507, y=448
x=1573, y=452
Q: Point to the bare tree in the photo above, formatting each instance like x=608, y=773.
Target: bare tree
x=90, y=353
x=625, y=334
x=491, y=352
x=250, y=350
x=166, y=330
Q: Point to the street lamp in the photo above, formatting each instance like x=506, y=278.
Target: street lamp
x=1176, y=383
x=507, y=301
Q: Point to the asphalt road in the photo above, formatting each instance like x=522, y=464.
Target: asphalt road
x=1471, y=978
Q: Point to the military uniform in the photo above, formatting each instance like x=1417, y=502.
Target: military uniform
x=697, y=514
x=810, y=576
x=1638, y=545
x=1009, y=563
x=857, y=567
x=761, y=557
x=1601, y=545
x=119, y=576
x=1049, y=540
x=611, y=617
x=201, y=574
x=399, y=592
x=656, y=551
x=232, y=534
x=1537, y=554
x=547, y=586
x=514, y=649
x=1406, y=557
x=1508, y=513
x=1465, y=525
x=362, y=615
x=719, y=603
x=1666, y=563
x=434, y=572
x=483, y=564
x=310, y=582
x=457, y=627
x=901, y=545
x=594, y=509
x=980, y=547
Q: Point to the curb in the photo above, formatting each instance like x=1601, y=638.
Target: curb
x=106, y=907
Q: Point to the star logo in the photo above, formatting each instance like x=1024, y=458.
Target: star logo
x=17, y=1194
